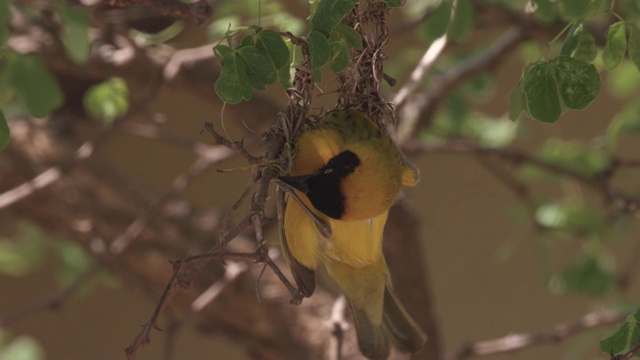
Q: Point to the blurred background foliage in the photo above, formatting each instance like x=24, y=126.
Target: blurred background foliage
x=87, y=72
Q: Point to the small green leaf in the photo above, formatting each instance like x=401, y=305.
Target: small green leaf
x=260, y=68
x=575, y=156
x=634, y=44
x=233, y=85
x=284, y=77
x=341, y=53
x=589, y=276
x=5, y=18
x=330, y=13
x=580, y=43
x=221, y=51
x=616, y=45
x=578, y=81
x=391, y=3
x=351, y=35
x=272, y=43
x=574, y=9
x=5, y=134
x=22, y=348
x=626, y=121
x=438, y=22
x=545, y=11
x=462, y=20
x=75, y=29
x=108, y=100
x=319, y=49
x=623, y=337
x=35, y=84
x=541, y=93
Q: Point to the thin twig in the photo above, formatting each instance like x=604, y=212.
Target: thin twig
x=423, y=106
x=425, y=65
x=554, y=334
x=200, y=165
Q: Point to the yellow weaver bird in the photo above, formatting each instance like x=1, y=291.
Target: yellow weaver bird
x=348, y=173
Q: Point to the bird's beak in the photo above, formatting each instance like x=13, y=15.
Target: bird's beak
x=297, y=182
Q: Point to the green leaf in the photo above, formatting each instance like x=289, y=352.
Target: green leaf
x=24, y=252
x=284, y=77
x=350, y=35
x=319, y=49
x=391, y=3
x=616, y=45
x=107, y=100
x=5, y=18
x=5, y=134
x=35, y=84
x=541, y=93
x=462, y=20
x=330, y=13
x=221, y=51
x=623, y=337
x=545, y=11
x=272, y=43
x=589, y=276
x=438, y=22
x=22, y=348
x=575, y=156
x=517, y=101
x=75, y=30
x=233, y=85
x=578, y=81
x=341, y=53
x=580, y=43
x=626, y=121
x=574, y=9
x=634, y=44
x=260, y=68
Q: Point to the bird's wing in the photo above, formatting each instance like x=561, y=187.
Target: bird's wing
x=304, y=277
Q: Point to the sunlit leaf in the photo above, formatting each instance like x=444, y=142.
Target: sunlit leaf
x=22, y=348
x=108, y=100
